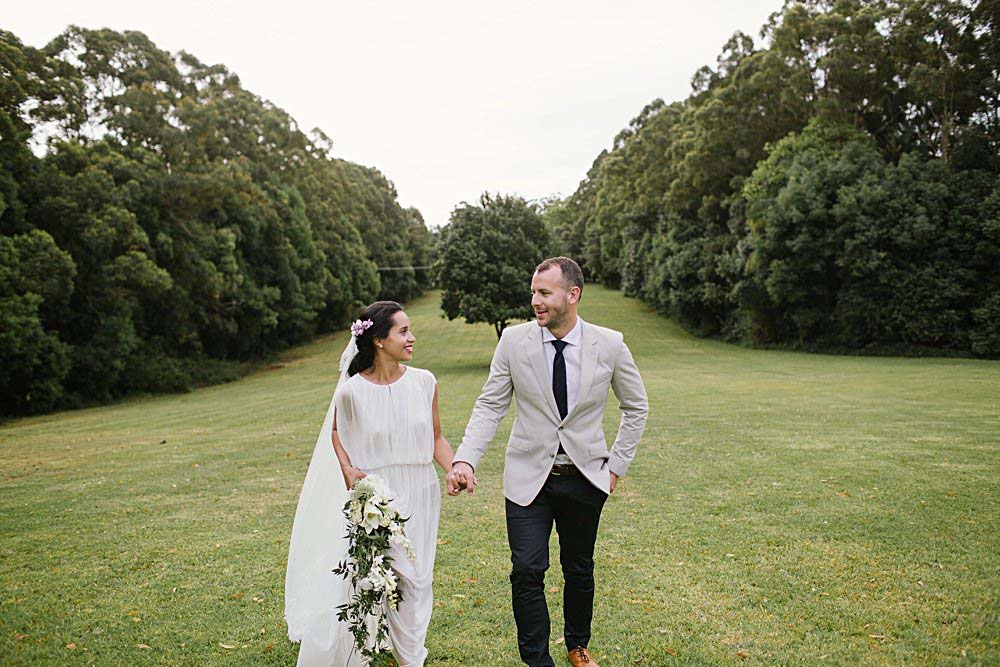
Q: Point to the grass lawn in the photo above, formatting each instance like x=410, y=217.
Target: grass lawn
x=784, y=509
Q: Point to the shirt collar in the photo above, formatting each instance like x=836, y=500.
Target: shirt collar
x=573, y=337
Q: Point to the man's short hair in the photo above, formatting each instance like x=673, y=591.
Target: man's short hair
x=571, y=271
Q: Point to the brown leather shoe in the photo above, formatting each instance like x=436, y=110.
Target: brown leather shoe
x=580, y=656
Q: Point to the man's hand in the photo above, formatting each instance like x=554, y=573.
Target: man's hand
x=614, y=482
x=460, y=477
x=351, y=477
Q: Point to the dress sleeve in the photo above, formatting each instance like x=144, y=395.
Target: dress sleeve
x=431, y=385
x=344, y=406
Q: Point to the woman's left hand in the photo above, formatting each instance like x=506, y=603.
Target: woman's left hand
x=351, y=477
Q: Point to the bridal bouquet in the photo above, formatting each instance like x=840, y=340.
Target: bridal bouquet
x=373, y=526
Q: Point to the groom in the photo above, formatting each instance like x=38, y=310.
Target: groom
x=557, y=467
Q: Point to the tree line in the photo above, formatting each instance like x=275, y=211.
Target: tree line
x=171, y=224
x=836, y=188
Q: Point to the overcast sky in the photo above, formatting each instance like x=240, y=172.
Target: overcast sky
x=448, y=99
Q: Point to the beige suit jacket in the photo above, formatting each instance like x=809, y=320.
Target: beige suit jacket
x=519, y=369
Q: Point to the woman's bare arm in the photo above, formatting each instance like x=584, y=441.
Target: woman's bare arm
x=350, y=473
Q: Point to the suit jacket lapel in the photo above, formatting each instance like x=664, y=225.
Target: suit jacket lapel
x=539, y=364
x=588, y=364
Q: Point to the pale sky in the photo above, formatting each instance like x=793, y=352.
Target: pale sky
x=448, y=99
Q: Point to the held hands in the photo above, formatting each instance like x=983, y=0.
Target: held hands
x=351, y=476
x=460, y=477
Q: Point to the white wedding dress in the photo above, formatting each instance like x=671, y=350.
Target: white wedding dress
x=387, y=430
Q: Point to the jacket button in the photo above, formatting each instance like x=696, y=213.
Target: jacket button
x=560, y=428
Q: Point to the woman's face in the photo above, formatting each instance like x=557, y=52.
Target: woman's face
x=398, y=345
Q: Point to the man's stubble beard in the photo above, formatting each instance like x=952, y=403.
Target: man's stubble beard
x=557, y=318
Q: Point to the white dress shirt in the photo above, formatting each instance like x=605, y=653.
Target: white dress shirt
x=573, y=358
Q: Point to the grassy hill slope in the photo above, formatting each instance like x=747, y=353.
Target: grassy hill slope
x=783, y=509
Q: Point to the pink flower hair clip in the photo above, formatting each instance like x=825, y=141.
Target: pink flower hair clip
x=360, y=327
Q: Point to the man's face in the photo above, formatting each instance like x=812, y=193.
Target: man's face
x=550, y=299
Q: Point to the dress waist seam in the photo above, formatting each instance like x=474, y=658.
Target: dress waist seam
x=391, y=466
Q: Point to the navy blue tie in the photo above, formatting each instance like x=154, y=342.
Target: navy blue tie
x=559, y=378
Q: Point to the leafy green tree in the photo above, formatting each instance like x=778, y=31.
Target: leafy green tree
x=795, y=271
x=849, y=250
x=33, y=361
x=665, y=213
x=203, y=227
x=920, y=257
x=486, y=256
x=33, y=89
x=985, y=334
x=563, y=225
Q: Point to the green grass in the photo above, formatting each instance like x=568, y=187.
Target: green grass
x=796, y=509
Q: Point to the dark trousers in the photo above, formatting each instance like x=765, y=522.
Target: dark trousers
x=574, y=505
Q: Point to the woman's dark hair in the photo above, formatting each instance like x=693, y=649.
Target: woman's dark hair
x=380, y=313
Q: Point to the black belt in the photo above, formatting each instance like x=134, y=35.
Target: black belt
x=565, y=469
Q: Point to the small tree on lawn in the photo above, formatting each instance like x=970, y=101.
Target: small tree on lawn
x=486, y=257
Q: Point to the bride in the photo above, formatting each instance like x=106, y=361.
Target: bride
x=383, y=420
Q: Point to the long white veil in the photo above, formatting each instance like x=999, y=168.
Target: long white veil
x=318, y=544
